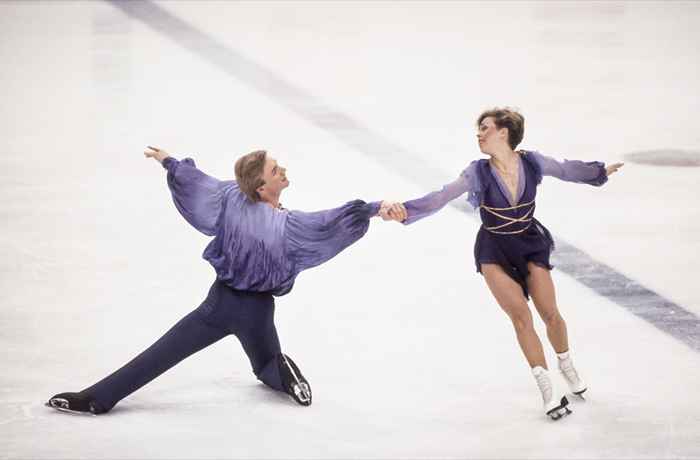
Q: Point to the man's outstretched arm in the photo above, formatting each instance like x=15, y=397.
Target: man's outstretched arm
x=156, y=153
x=197, y=196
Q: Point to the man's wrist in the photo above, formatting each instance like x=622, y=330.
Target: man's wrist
x=168, y=162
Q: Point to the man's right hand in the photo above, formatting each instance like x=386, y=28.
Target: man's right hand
x=155, y=152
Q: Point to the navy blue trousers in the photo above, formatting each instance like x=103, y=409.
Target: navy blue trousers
x=247, y=315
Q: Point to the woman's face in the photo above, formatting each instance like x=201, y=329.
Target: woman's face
x=489, y=136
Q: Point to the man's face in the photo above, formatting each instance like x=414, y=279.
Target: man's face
x=275, y=177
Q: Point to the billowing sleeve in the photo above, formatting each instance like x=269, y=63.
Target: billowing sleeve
x=468, y=181
x=581, y=172
x=316, y=237
x=197, y=196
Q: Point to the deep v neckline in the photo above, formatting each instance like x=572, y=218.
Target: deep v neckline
x=512, y=198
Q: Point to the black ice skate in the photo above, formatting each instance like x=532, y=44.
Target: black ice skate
x=293, y=381
x=75, y=403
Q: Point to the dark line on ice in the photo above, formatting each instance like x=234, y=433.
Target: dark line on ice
x=604, y=280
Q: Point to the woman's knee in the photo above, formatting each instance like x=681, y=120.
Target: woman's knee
x=521, y=319
x=552, y=318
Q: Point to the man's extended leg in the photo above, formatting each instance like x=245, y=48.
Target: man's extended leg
x=185, y=338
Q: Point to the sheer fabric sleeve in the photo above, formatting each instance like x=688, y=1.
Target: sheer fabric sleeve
x=468, y=181
x=197, y=196
x=581, y=172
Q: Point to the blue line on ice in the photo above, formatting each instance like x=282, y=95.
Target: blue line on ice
x=604, y=280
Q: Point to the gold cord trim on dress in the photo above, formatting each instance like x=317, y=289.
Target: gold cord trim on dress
x=526, y=218
x=507, y=209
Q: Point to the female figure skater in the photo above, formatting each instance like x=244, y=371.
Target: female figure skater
x=258, y=250
x=512, y=248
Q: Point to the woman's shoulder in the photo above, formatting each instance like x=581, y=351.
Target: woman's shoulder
x=531, y=156
x=474, y=165
x=528, y=153
x=475, y=168
x=533, y=159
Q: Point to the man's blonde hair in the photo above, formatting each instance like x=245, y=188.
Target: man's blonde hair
x=249, y=173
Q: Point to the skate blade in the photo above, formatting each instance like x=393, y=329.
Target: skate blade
x=61, y=405
x=561, y=410
x=301, y=389
x=558, y=414
x=580, y=393
x=303, y=394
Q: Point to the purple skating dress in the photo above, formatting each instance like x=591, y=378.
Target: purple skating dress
x=509, y=236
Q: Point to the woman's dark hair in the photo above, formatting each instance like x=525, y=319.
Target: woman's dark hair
x=506, y=117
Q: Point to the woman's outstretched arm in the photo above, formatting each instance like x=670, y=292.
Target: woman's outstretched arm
x=582, y=172
x=432, y=202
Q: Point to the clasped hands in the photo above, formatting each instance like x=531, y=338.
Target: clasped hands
x=393, y=210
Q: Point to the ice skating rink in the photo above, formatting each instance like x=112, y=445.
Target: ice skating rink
x=407, y=353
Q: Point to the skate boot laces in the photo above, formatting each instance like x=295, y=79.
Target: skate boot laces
x=554, y=407
x=566, y=366
x=568, y=371
x=545, y=386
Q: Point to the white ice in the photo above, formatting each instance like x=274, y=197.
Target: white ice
x=407, y=353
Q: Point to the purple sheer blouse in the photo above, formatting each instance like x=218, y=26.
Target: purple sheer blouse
x=256, y=247
x=592, y=173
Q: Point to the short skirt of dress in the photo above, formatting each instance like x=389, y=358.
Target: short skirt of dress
x=513, y=252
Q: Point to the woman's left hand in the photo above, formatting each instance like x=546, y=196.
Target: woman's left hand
x=390, y=210
x=613, y=168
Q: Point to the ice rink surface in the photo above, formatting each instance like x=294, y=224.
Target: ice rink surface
x=407, y=353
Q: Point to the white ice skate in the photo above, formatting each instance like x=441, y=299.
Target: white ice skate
x=566, y=367
x=554, y=401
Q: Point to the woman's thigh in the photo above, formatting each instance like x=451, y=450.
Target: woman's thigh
x=507, y=292
x=541, y=288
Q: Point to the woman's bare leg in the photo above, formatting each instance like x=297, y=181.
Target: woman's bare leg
x=541, y=288
x=509, y=296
